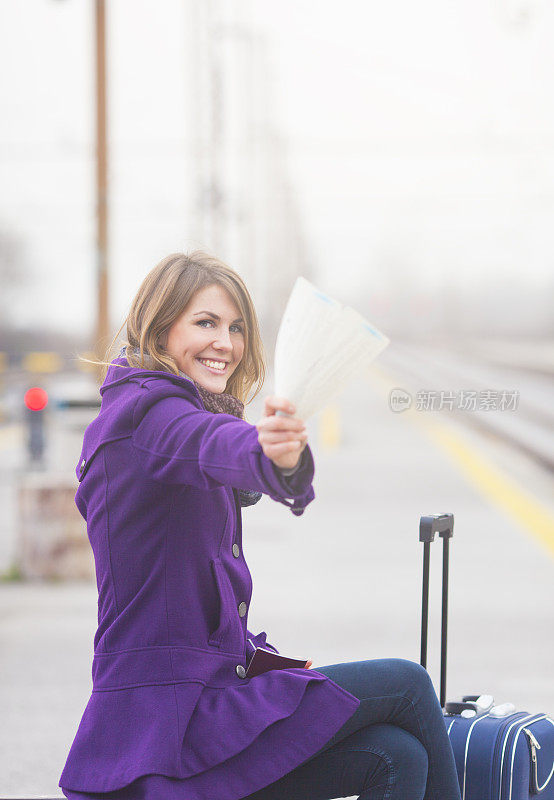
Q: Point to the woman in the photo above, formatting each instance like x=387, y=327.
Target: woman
x=164, y=471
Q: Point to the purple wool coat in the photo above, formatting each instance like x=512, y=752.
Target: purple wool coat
x=171, y=715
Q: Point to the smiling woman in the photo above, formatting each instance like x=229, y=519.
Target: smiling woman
x=163, y=472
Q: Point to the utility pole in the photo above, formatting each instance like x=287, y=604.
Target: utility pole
x=102, y=323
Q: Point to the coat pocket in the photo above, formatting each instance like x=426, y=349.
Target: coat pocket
x=228, y=634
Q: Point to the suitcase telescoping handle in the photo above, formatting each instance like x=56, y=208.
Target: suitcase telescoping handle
x=443, y=524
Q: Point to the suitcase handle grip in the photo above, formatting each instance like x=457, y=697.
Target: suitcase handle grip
x=443, y=524
x=429, y=525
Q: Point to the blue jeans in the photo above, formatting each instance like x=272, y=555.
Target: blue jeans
x=394, y=747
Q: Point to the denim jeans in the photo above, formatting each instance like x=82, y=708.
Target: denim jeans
x=394, y=747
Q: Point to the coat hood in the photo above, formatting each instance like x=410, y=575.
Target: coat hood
x=122, y=391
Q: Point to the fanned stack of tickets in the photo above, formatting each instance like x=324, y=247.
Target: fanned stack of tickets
x=321, y=346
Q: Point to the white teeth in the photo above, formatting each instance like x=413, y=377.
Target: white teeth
x=214, y=364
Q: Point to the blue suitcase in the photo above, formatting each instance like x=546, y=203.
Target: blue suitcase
x=500, y=753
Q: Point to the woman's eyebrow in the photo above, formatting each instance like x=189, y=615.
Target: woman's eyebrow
x=215, y=316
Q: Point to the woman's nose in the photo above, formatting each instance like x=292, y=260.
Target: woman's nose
x=223, y=341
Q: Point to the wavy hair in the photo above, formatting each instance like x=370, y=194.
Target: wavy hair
x=161, y=299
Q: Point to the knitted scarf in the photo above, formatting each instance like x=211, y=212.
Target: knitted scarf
x=217, y=403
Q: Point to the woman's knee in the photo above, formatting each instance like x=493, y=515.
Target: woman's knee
x=384, y=677
x=411, y=673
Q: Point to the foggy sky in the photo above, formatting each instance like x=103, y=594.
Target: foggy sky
x=419, y=140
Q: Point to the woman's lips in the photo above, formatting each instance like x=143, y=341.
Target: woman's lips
x=212, y=369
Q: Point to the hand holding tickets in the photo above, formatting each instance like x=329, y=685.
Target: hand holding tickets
x=282, y=436
x=321, y=346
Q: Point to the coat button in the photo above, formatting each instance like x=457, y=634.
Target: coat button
x=241, y=672
x=236, y=551
x=242, y=609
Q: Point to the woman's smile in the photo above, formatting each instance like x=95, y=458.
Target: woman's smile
x=213, y=365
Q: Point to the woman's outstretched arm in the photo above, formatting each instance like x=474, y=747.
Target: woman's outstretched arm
x=180, y=444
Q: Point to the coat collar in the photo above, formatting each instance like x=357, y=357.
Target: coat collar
x=120, y=372
x=216, y=402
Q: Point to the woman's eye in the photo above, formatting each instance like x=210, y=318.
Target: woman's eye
x=201, y=321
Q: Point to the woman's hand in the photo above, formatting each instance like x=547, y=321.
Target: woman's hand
x=309, y=663
x=282, y=438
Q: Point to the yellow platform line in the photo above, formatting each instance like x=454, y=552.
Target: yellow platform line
x=532, y=515
x=529, y=512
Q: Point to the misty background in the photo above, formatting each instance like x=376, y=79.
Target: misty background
x=399, y=155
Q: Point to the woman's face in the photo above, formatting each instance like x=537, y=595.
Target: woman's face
x=209, y=329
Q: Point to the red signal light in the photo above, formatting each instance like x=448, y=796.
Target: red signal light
x=36, y=398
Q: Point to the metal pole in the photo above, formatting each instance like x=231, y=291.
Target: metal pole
x=101, y=335
x=425, y=604
x=444, y=621
x=217, y=122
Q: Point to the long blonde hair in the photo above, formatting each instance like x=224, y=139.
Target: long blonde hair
x=162, y=298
